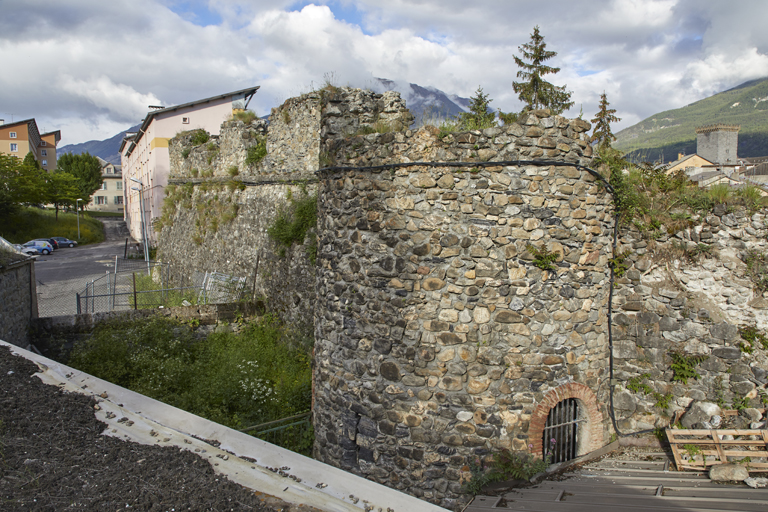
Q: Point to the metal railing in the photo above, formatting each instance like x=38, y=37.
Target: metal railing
x=145, y=286
x=294, y=433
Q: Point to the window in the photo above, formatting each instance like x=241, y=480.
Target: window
x=118, y=199
x=44, y=152
x=12, y=135
x=14, y=147
x=45, y=163
x=119, y=185
x=42, y=143
x=101, y=199
x=185, y=120
x=104, y=186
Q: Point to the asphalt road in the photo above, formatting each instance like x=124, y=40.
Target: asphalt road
x=65, y=272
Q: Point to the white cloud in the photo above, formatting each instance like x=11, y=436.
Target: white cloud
x=89, y=65
x=124, y=102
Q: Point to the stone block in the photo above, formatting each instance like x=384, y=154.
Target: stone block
x=728, y=473
x=699, y=412
x=727, y=352
x=724, y=331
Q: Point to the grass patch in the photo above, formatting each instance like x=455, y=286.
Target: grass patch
x=757, y=270
x=246, y=116
x=505, y=465
x=30, y=223
x=260, y=374
x=657, y=203
x=172, y=298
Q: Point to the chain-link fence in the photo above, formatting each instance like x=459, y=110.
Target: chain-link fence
x=136, y=284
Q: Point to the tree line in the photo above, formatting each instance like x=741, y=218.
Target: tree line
x=537, y=93
x=25, y=183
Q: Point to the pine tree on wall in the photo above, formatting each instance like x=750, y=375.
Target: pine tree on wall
x=478, y=117
x=533, y=89
x=602, y=133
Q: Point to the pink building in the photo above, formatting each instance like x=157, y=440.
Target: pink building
x=144, y=154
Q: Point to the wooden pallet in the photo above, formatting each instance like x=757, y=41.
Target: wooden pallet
x=699, y=449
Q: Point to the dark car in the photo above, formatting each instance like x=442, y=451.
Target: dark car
x=64, y=242
x=51, y=241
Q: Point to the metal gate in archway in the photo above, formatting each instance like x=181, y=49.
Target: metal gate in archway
x=561, y=432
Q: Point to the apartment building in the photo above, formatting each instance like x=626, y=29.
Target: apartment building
x=22, y=137
x=145, y=158
x=111, y=196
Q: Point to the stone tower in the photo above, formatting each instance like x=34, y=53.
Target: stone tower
x=718, y=143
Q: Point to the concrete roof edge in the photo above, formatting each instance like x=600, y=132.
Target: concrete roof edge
x=341, y=488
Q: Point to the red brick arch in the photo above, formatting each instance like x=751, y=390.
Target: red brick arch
x=593, y=430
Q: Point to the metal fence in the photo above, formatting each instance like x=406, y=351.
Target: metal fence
x=294, y=433
x=147, y=286
x=135, y=284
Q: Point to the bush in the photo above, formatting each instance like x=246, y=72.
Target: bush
x=293, y=222
x=237, y=380
x=256, y=153
x=199, y=137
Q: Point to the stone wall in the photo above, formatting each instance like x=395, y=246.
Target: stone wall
x=223, y=205
x=19, y=301
x=436, y=336
x=439, y=336
x=667, y=303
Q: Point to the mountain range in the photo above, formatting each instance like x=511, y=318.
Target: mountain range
x=108, y=149
x=663, y=136
x=660, y=137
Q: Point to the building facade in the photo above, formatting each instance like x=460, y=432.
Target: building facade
x=111, y=196
x=22, y=137
x=144, y=154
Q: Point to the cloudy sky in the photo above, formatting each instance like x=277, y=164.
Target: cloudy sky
x=91, y=67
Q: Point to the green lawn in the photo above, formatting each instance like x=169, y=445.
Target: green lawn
x=30, y=223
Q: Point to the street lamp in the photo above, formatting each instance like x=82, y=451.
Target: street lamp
x=143, y=224
x=77, y=211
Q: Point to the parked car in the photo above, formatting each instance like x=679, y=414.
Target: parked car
x=51, y=241
x=64, y=242
x=31, y=251
x=43, y=246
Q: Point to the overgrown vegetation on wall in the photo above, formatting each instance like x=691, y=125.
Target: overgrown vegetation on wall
x=648, y=198
x=212, y=210
x=256, y=153
x=295, y=221
x=259, y=374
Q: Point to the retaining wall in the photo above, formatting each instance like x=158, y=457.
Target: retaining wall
x=18, y=305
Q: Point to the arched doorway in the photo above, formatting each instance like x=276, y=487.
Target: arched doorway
x=569, y=414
